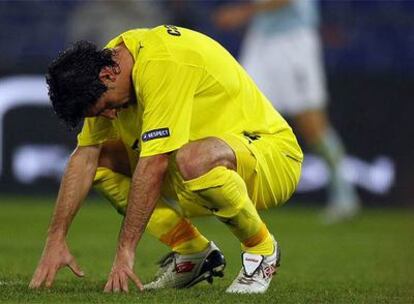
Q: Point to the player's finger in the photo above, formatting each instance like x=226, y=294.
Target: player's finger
x=50, y=277
x=135, y=279
x=75, y=268
x=34, y=282
x=124, y=283
x=115, y=283
x=38, y=278
x=108, y=286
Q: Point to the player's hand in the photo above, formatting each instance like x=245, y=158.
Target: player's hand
x=121, y=272
x=233, y=16
x=55, y=256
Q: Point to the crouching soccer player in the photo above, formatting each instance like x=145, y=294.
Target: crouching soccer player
x=170, y=116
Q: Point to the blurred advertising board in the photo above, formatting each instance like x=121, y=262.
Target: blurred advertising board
x=34, y=148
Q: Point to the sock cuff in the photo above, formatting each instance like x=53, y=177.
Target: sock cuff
x=258, y=238
x=182, y=232
x=214, y=178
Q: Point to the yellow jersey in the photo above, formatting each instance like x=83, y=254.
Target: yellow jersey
x=188, y=87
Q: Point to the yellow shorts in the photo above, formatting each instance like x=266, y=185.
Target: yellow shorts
x=270, y=165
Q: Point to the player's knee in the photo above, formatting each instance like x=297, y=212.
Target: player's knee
x=189, y=161
x=197, y=158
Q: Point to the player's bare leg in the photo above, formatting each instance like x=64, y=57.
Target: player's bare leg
x=343, y=201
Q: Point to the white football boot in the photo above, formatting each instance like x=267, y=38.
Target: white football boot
x=257, y=272
x=183, y=271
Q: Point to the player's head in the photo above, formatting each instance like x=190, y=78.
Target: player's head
x=83, y=81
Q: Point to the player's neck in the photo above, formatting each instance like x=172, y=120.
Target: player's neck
x=124, y=58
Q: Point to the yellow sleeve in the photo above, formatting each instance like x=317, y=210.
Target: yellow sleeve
x=96, y=130
x=167, y=90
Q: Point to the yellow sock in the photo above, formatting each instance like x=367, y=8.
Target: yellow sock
x=226, y=194
x=165, y=223
x=184, y=238
x=261, y=243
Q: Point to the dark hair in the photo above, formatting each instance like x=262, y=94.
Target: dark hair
x=73, y=80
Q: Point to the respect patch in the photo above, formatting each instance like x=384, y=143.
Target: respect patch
x=156, y=133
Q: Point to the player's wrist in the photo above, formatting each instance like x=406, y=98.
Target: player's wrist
x=126, y=250
x=125, y=256
x=56, y=238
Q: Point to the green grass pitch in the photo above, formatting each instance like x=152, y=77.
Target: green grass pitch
x=367, y=260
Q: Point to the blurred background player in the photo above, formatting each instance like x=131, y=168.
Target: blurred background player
x=99, y=21
x=282, y=52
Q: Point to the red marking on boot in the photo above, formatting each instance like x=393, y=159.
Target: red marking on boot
x=184, y=267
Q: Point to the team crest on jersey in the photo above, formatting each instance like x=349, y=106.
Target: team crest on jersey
x=156, y=133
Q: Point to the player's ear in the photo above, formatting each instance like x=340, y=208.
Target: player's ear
x=107, y=74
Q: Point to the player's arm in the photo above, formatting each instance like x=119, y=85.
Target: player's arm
x=75, y=185
x=168, y=89
x=143, y=195
x=232, y=16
